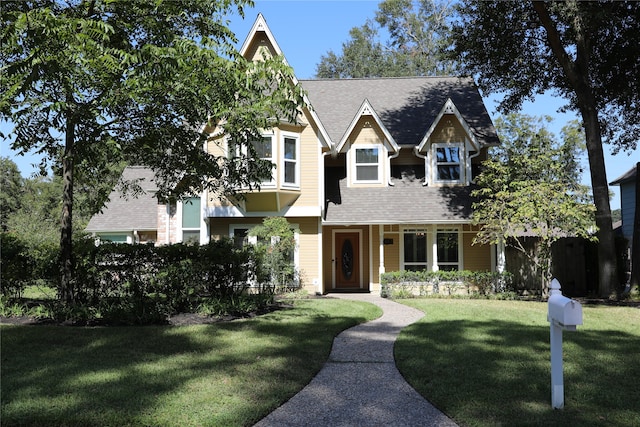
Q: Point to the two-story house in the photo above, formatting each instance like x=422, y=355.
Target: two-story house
x=375, y=176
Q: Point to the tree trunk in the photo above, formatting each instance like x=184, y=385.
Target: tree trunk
x=67, y=288
x=608, y=279
x=577, y=74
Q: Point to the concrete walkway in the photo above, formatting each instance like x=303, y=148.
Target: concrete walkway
x=360, y=384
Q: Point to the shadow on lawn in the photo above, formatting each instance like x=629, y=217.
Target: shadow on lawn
x=127, y=375
x=498, y=373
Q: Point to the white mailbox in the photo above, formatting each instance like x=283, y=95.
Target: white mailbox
x=564, y=311
x=563, y=314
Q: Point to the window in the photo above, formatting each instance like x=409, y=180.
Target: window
x=448, y=250
x=264, y=151
x=367, y=164
x=191, y=220
x=290, y=161
x=415, y=250
x=448, y=162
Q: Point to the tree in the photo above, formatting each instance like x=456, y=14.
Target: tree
x=531, y=187
x=586, y=52
x=275, y=247
x=90, y=83
x=418, y=37
x=11, y=185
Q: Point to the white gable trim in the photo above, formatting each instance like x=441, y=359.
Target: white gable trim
x=367, y=110
x=260, y=25
x=449, y=108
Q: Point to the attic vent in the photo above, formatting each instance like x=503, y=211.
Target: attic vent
x=448, y=108
x=366, y=111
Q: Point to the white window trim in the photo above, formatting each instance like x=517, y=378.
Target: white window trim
x=427, y=232
x=202, y=238
x=436, y=262
x=382, y=154
x=296, y=137
x=461, y=164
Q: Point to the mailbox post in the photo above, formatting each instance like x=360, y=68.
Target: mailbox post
x=564, y=314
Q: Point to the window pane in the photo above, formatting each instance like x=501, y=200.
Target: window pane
x=449, y=173
x=366, y=155
x=448, y=246
x=240, y=237
x=448, y=154
x=290, y=172
x=290, y=149
x=114, y=238
x=191, y=236
x=191, y=213
x=367, y=173
x=415, y=247
x=263, y=148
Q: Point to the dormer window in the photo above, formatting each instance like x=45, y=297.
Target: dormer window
x=368, y=164
x=448, y=163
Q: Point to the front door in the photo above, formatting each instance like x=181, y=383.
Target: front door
x=347, y=260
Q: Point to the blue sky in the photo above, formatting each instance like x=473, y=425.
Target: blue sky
x=306, y=30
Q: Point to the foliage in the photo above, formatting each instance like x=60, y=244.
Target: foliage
x=418, y=34
x=11, y=183
x=408, y=284
x=139, y=284
x=530, y=187
x=585, y=52
x=275, y=248
x=92, y=84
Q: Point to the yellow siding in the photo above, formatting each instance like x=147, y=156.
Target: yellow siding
x=448, y=130
x=476, y=257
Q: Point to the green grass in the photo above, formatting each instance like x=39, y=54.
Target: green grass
x=226, y=374
x=487, y=363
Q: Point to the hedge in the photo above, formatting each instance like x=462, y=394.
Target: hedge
x=403, y=284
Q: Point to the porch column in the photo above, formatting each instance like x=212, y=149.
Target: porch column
x=381, y=269
x=434, y=249
x=500, y=257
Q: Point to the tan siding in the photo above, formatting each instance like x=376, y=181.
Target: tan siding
x=448, y=129
x=308, y=251
x=476, y=257
x=309, y=168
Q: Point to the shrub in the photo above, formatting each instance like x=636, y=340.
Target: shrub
x=406, y=284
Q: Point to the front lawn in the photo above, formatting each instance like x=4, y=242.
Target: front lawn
x=225, y=374
x=487, y=363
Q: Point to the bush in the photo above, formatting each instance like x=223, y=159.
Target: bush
x=407, y=284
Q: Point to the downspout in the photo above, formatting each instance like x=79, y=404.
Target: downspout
x=469, y=168
x=393, y=156
x=426, y=166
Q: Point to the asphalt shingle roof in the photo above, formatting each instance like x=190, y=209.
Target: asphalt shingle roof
x=410, y=203
x=407, y=106
x=129, y=213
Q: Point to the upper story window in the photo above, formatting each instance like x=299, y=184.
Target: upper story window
x=448, y=163
x=265, y=151
x=290, y=160
x=368, y=163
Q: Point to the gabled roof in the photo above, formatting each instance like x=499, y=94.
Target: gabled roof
x=448, y=108
x=630, y=175
x=407, y=106
x=367, y=110
x=260, y=26
x=129, y=213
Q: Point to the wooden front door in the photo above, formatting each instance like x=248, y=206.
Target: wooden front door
x=347, y=260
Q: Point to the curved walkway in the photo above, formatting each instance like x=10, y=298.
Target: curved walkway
x=360, y=384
